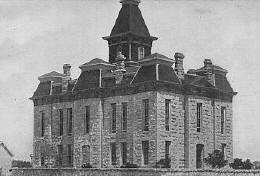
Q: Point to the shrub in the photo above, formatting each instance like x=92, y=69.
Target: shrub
x=216, y=159
x=86, y=165
x=129, y=165
x=163, y=163
x=239, y=164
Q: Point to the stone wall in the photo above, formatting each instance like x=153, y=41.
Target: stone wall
x=131, y=172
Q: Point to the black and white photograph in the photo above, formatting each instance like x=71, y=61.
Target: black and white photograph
x=129, y=87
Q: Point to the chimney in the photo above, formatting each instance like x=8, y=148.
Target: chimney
x=179, y=70
x=66, y=78
x=210, y=75
x=66, y=70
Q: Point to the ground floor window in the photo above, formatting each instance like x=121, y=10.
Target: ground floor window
x=145, y=149
x=199, y=155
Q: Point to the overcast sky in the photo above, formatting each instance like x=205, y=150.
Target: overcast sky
x=37, y=37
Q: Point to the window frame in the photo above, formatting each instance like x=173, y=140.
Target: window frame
x=87, y=120
x=141, y=52
x=167, y=149
x=223, y=119
x=60, y=154
x=61, y=121
x=69, y=121
x=124, y=116
x=167, y=114
x=42, y=124
x=113, y=118
x=199, y=117
x=145, y=106
x=124, y=152
x=113, y=153
x=70, y=154
x=145, y=152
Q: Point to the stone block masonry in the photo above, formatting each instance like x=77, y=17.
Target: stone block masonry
x=131, y=172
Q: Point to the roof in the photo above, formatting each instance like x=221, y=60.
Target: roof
x=95, y=61
x=130, y=21
x=52, y=74
x=6, y=149
x=43, y=88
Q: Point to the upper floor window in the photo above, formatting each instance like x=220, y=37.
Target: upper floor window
x=69, y=121
x=140, y=53
x=124, y=116
x=42, y=123
x=146, y=115
x=223, y=119
x=113, y=127
x=167, y=114
x=199, y=117
x=87, y=119
x=60, y=122
x=42, y=160
x=145, y=149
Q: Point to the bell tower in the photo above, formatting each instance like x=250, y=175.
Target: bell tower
x=130, y=35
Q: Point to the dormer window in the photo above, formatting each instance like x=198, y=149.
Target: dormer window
x=140, y=53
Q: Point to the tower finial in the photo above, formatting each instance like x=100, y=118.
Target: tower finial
x=135, y=2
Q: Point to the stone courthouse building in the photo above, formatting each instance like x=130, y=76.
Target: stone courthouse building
x=136, y=108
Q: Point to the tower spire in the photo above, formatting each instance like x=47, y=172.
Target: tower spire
x=135, y=2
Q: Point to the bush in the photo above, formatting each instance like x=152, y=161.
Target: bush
x=21, y=164
x=163, y=163
x=86, y=165
x=239, y=164
x=216, y=159
x=129, y=165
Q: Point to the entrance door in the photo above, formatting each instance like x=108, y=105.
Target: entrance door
x=199, y=155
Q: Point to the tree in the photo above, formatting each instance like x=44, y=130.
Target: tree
x=163, y=163
x=247, y=164
x=239, y=164
x=216, y=159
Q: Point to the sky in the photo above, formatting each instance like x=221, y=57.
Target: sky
x=38, y=36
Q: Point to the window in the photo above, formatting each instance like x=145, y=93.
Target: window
x=124, y=152
x=167, y=114
x=42, y=123
x=87, y=119
x=113, y=106
x=70, y=154
x=146, y=114
x=199, y=117
x=223, y=150
x=69, y=121
x=145, y=149
x=167, y=149
x=85, y=154
x=199, y=155
x=60, y=151
x=124, y=117
x=140, y=53
x=42, y=159
x=223, y=119
x=60, y=122
x=113, y=153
